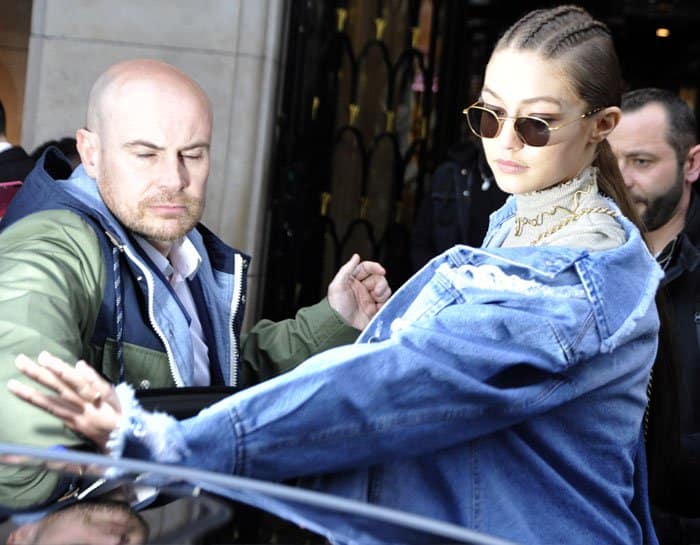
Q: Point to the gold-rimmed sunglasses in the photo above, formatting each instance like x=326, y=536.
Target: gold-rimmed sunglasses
x=532, y=131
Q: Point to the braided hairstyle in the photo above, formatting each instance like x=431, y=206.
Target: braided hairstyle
x=568, y=34
x=584, y=46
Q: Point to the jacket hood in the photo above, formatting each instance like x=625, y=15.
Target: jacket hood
x=51, y=186
x=40, y=192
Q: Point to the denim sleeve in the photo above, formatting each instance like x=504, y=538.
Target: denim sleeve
x=430, y=386
x=160, y=437
x=467, y=371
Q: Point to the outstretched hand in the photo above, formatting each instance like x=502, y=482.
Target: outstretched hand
x=358, y=291
x=83, y=400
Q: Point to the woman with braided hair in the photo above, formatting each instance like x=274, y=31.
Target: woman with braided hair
x=501, y=388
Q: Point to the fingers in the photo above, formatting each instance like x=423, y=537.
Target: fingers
x=81, y=399
x=379, y=288
x=100, y=388
x=22, y=391
x=366, y=269
x=52, y=373
x=44, y=375
x=50, y=404
x=375, y=283
x=361, y=270
x=68, y=375
x=73, y=385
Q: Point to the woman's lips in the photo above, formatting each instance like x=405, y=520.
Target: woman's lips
x=510, y=167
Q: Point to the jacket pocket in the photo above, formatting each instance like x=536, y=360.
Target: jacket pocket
x=144, y=368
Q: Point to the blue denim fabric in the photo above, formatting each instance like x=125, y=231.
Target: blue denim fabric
x=499, y=389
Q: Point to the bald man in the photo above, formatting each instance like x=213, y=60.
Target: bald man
x=109, y=264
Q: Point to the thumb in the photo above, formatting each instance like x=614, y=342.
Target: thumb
x=349, y=267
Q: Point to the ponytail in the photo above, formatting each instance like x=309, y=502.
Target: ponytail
x=611, y=183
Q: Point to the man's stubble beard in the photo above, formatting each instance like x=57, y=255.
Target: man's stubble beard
x=135, y=216
x=660, y=210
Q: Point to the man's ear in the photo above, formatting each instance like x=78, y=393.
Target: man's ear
x=605, y=121
x=692, y=164
x=88, y=144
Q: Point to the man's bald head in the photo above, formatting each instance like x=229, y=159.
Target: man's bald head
x=113, y=85
x=147, y=147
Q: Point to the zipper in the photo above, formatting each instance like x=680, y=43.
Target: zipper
x=235, y=302
x=174, y=372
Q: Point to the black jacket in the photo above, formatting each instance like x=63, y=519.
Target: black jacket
x=456, y=210
x=15, y=164
x=676, y=509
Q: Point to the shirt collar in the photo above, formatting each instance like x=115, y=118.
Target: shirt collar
x=4, y=146
x=183, y=258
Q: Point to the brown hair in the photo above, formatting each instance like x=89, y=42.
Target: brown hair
x=585, y=48
x=681, y=126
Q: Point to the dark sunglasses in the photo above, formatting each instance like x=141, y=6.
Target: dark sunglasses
x=532, y=131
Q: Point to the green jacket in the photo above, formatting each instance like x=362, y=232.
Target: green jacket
x=52, y=283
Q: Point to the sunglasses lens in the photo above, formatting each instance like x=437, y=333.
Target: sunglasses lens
x=532, y=131
x=485, y=124
x=482, y=122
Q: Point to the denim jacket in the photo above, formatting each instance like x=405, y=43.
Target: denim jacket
x=499, y=389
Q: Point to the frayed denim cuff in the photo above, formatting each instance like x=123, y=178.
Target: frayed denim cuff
x=144, y=435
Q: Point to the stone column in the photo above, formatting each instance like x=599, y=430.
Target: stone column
x=231, y=47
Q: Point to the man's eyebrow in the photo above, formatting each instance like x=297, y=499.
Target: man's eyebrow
x=636, y=152
x=143, y=144
x=151, y=145
x=204, y=145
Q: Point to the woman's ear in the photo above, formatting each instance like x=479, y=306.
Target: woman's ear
x=604, y=122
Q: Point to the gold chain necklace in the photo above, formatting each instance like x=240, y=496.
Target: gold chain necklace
x=521, y=222
x=571, y=218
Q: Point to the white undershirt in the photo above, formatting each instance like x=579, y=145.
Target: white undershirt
x=181, y=265
x=4, y=145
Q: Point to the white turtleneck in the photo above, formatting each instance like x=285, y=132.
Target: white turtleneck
x=572, y=214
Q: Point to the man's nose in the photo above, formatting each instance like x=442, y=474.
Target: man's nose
x=173, y=174
x=627, y=175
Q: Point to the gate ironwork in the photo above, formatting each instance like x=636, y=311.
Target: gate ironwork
x=354, y=142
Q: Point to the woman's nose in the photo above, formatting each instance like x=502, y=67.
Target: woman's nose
x=509, y=137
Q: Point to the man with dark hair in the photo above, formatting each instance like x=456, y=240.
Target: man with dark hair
x=657, y=149
x=14, y=161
